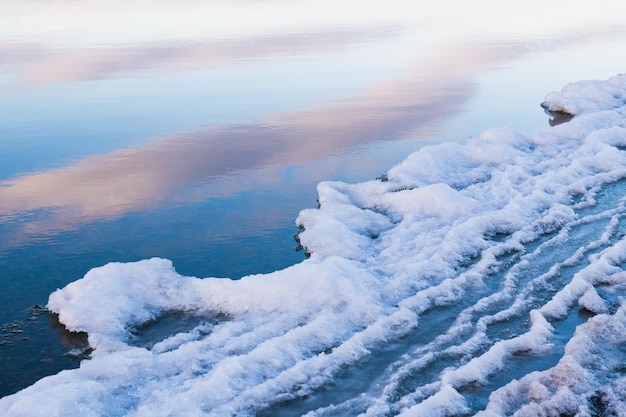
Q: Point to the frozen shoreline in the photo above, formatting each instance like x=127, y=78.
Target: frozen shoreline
x=454, y=225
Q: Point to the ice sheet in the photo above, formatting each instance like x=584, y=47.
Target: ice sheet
x=426, y=288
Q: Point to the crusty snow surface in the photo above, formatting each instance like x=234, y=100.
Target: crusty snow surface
x=481, y=278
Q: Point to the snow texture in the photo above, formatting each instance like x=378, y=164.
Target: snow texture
x=483, y=278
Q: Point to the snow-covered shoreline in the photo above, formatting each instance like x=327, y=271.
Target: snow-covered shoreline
x=499, y=239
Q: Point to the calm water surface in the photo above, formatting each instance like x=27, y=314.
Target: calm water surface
x=196, y=131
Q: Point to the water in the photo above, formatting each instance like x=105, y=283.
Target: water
x=198, y=131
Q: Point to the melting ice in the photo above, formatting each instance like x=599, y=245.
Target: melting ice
x=484, y=278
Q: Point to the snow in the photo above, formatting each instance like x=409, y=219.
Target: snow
x=465, y=263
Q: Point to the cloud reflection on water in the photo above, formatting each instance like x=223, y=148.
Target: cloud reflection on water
x=35, y=63
x=109, y=185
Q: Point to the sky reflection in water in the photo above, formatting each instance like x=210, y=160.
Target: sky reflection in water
x=108, y=185
x=197, y=132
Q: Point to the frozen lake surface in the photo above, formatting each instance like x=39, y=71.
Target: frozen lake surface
x=484, y=278
x=197, y=132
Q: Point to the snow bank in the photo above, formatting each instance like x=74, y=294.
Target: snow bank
x=463, y=258
x=588, y=96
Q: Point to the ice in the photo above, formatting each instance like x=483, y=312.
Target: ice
x=593, y=302
x=588, y=96
x=453, y=285
x=444, y=403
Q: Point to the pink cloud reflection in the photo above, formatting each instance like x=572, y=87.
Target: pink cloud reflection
x=108, y=186
x=36, y=63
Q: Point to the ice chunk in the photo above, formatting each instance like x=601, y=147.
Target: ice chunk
x=446, y=402
x=589, y=96
x=591, y=301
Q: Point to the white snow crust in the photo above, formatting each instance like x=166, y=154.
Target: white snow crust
x=486, y=276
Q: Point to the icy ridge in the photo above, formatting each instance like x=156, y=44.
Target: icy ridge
x=458, y=262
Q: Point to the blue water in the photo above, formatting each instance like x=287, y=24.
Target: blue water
x=241, y=133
